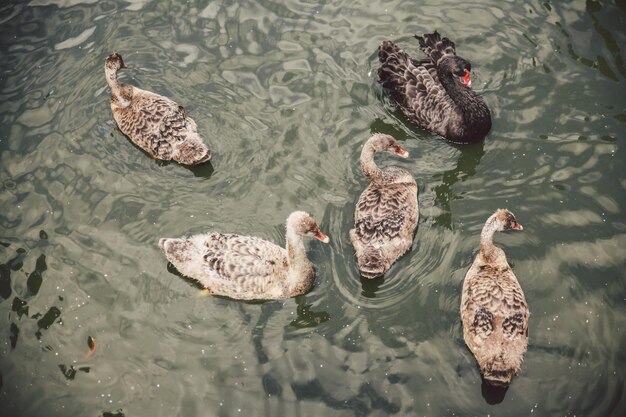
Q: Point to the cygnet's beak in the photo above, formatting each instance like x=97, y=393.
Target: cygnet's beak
x=517, y=226
x=319, y=235
x=400, y=151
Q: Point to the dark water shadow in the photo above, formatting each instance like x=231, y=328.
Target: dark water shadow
x=466, y=165
x=306, y=317
x=364, y=403
x=118, y=413
x=194, y=283
x=70, y=372
x=607, y=35
x=21, y=298
x=204, y=170
x=493, y=394
x=271, y=386
x=267, y=311
x=370, y=286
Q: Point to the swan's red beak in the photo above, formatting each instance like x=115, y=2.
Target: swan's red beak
x=400, y=151
x=466, y=78
x=319, y=235
x=517, y=226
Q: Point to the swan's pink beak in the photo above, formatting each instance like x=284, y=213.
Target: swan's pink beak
x=517, y=226
x=319, y=235
x=400, y=151
x=466, y=78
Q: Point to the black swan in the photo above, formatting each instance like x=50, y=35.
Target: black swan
x=435, y=92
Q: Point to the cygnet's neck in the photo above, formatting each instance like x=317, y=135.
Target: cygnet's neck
x=295, y=246
x=298, y=263
x=115, y=86
x=486, y=236
x=368, y=166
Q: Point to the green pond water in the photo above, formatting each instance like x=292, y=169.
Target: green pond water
x=285, y=93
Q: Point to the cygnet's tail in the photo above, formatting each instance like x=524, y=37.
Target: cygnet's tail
x=498, y=372
x=372, y=264
x=177, y=251
x=191, y=151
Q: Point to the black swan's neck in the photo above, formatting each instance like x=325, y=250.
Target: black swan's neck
x=475, y=115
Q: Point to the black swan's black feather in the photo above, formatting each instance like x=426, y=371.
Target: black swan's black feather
x=429, y=91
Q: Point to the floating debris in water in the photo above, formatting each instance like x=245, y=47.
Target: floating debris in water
x=91, y=342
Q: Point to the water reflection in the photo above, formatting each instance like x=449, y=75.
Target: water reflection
x=26, y=290
x=117, y=413
x=366, y=401
x=493, y=395
x=467, y=163
x=193, y=282
x=203, y=170
x=271, y=386
x=70, y=372
x=268, y=309
x=307, y=316
x=46, y=320
x=371, y=286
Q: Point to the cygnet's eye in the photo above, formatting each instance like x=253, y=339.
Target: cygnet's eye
x=309, y=227
x=511, y=223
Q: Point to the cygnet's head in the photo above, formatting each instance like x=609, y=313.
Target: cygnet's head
x=115, y=62
x=506, y=220
x=304, y=225
x=386, y=143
